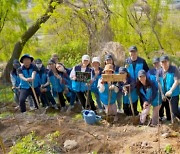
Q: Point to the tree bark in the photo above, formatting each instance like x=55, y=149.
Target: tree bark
x=26, y=36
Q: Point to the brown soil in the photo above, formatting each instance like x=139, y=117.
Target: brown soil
x=122, y=137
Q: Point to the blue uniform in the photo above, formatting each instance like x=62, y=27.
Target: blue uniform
x=25, y=87
x=46, y=97
x=27, y=72
x=80, y=86
x=135, y=66
x=94, y=87
x=168, y=80
x=105, y=95
x=150, y=94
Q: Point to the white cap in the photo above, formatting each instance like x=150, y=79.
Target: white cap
x=96, y=59
x=85, y=57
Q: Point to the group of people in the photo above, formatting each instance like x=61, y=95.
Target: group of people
x=55, y=84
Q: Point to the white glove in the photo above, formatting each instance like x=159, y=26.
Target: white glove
x=168, y=93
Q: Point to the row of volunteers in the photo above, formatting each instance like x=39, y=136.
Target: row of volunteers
x=56, y=84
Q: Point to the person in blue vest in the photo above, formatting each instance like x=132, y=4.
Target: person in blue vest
x=150, y=96
x=45, y=96
x=68, y=91
x=57, y=85
x=96, y=74
x=124, y=88
x=15, y=80
x=28, y=80
x=171, y=88
x=134, y=64
x=108, y=93
x=155, y=74
x=110, y=60
x=82, y=88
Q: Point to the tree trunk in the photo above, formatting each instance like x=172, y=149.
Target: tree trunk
x=26, y=36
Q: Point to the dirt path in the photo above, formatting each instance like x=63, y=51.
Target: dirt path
x=122, y=137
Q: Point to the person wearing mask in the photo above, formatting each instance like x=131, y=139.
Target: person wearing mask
x=45, y=96
x=15, y=80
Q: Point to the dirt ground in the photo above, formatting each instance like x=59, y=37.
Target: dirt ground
x=121, y=137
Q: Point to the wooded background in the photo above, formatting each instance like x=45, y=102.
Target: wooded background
x=74, y=27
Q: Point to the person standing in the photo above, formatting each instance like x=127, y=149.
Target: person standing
x=15, y=80
x=28, y=80
x=171, y=89
x=134, y=64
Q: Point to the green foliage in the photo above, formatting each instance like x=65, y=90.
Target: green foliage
x=168, y=149
x=5, y=114
x=71, y=27
x=6, y=94
x=77, y=117
x=12, y=24
x=34, y=144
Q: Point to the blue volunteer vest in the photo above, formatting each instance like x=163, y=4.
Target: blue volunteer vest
x=169, y=80
x=80, y=86
x=16, y=78
x=139, y=66
x=43, y=75
x=95, y=82
x=28, y=74
x=57, y=87
x=104, y=95
x=134, y=97
x=148, y=95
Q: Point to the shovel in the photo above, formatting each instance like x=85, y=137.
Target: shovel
x=135, y=119
x=108, y=118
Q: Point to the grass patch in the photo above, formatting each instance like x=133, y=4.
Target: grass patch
x=5, y=114
x=77, y=117
x=34, y=144
x=52, y=114
x=6, y=94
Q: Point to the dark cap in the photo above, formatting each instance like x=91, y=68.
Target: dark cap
x=133, y=49
x=122, y=70
x=51, y=61
x=164, y=58
x=141, y=73
x=26, y=56
x=38, y=61
x=108, y=56
x=156, y=60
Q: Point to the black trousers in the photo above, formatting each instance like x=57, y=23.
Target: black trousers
x=61, y=99
x=127, y=109
x=47, y=97
x=24, y=93
x=174, y=105
x=82, y=99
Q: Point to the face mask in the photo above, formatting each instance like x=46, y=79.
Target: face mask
x=16, y=66
x=38, y=66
